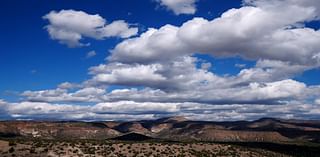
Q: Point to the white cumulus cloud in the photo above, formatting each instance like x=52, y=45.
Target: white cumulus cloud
x=91, y=54
x=179, y=6
x=158, y=73
x=70, y=26
x=251, y=32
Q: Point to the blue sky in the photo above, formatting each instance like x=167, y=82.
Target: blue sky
x=227, y=51
x=28, y=47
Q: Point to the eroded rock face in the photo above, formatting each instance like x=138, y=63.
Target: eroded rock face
x=176, y=128
x=50, y=130
x=173, y=119
x=132, y=127
x=241, y=136
x=160, y=127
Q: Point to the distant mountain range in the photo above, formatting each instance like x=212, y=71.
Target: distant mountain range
x=172, y=128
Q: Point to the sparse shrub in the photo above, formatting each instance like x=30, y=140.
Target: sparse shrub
x=11, y=150
x=12, y=143
x=32, y=151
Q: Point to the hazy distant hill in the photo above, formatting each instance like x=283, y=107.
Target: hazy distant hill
x=172, y=128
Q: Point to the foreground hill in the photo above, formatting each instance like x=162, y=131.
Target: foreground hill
x=173, y=128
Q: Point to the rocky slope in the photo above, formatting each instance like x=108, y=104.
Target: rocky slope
x=173, y=128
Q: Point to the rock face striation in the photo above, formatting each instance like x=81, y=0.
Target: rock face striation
x=172, y=128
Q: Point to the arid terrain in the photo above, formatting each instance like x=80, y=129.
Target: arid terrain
x=175, y=136
x=109, y=148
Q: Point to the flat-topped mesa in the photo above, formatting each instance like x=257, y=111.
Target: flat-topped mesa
x=173, y=119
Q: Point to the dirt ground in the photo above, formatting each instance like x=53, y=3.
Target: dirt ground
x=118, y=149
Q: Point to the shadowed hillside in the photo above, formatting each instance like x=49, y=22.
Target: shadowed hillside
x=132, y=137
x=175, y=136
x=173, y=128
